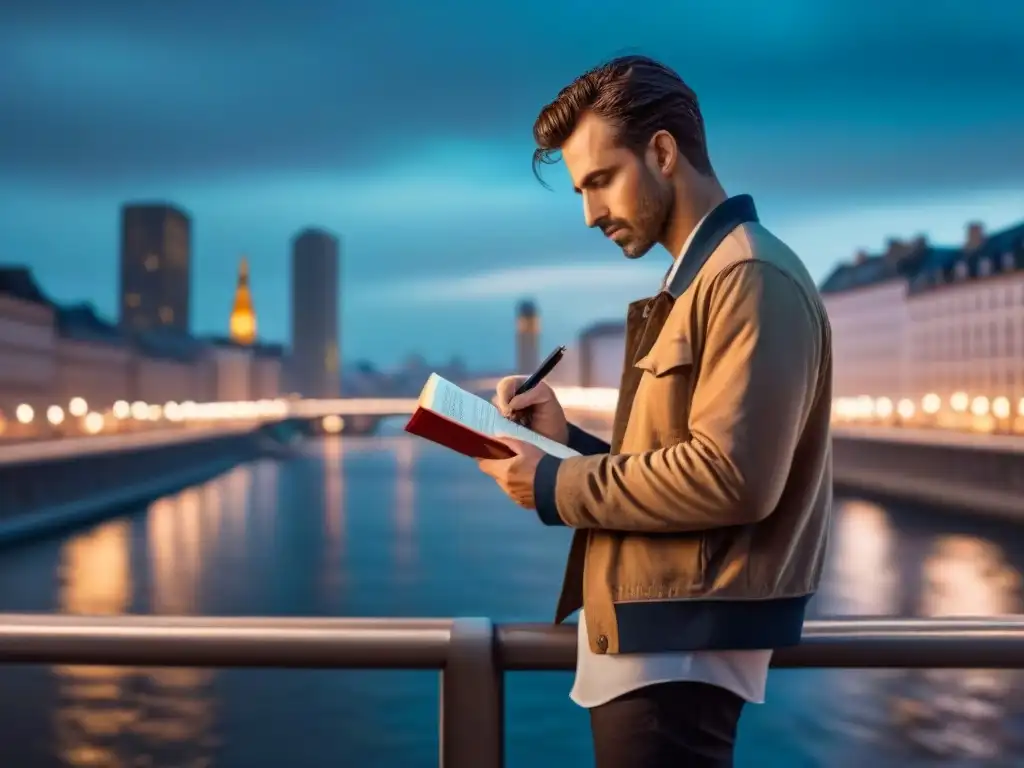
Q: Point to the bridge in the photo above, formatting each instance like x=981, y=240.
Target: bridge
x=968, y=454
x=978, y=421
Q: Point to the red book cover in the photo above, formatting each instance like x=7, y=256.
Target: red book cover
x=439, y=429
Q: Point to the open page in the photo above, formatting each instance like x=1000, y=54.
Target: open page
x=457, y=404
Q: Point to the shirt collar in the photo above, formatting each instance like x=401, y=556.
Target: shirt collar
x=710, y=231
x=679, y=256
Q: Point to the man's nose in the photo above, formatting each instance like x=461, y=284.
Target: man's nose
x=593, y=210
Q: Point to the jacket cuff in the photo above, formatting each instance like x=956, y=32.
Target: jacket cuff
x=585, y=443
x=544, y=481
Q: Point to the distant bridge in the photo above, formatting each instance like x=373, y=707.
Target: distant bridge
x=576, y=399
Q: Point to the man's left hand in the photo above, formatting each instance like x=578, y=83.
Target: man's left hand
x=515, y=475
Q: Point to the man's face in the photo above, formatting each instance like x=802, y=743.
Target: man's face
x=629, y=201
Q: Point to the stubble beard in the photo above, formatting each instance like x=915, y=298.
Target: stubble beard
x=654, y=207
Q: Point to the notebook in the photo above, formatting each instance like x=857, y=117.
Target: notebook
x=460, y=421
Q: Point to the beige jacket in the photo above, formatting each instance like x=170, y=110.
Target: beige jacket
x=703, y=524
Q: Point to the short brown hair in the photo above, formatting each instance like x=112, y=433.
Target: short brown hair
x=637, y=94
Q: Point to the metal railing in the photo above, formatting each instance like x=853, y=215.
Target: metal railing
x=471, y=654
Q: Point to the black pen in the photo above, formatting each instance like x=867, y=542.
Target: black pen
x=537, y=376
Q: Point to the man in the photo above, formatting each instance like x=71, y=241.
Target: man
x=701, y=528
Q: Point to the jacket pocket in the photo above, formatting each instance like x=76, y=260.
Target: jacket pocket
x=662, y=404
x=667, y=357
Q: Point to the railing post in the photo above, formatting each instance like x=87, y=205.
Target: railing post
x=472, y=717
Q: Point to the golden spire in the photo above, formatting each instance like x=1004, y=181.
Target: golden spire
x=243, y=315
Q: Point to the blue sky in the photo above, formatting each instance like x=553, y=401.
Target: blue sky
x=405, y=127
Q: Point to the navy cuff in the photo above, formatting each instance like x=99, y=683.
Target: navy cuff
x=586, y=443
x=544, y=490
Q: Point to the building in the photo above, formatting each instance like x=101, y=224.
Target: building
x=266, y=377
x=59, y=362
x=602, y=350
x=867, y=309
x=155, y=272
x=243, y=313
x=171, y=367
x=932, y=331
x=314, y=367
x=28, y=342
x=527, y=337
x=966, y=320
x=96, y=361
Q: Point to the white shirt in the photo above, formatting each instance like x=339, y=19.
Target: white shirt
x=603, y=677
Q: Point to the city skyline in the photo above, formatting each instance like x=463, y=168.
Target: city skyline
x=847, y=124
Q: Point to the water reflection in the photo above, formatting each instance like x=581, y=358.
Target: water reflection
x=118, y=716
x=334, y=516
x=405, y=514
x=962, y=713
x=863, y=578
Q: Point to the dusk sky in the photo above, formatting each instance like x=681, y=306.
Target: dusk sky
x=405, y=127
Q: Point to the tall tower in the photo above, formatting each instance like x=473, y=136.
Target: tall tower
x=315, y=358
x=155, y=274
x=527, y=337
x=243, y=314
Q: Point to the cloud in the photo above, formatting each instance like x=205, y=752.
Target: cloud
x=103, y=91
x=570, y=283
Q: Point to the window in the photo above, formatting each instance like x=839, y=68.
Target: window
x=166, y=315
x=152, y=262
x=985, y=267
x=960, y=270
x=1007, y=261
x=132, y=300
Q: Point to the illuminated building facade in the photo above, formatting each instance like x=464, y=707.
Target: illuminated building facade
x=932, y=334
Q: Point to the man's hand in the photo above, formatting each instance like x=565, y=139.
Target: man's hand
x=537, y=409
x=515, y=475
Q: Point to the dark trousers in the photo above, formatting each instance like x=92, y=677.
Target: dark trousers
x=682, y=725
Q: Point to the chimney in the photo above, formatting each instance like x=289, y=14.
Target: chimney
x=920, y=243
x=895, y=249
x=860, y=257
x=975, y=236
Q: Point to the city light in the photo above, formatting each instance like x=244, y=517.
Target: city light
x=78, y=407
x=93, y=423
x=974, y=412
x=1001, y=407
x=931, y=404
x=959, y=402
x=55, y=415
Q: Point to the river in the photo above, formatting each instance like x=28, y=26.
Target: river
x=390, y=526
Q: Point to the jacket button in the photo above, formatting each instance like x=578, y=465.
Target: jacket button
x=602, y=643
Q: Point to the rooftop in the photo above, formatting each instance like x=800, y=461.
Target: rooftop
x=925, y=267
x=1000, y=253
x=80, y=321
x=17, y=281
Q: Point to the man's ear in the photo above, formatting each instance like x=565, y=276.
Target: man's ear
x=664, y=153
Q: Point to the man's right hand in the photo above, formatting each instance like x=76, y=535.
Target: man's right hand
x=538, y=409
